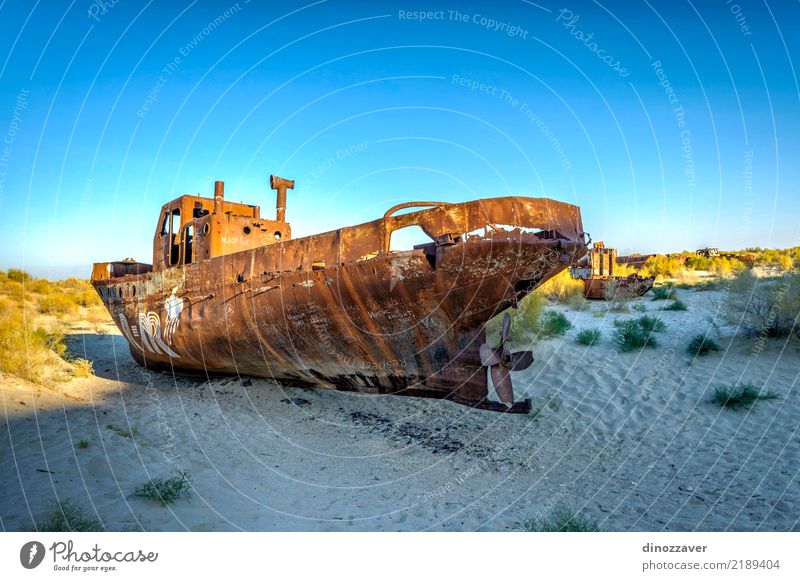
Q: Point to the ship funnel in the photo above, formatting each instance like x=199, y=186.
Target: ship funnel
x=219, y=196
x=281, y=185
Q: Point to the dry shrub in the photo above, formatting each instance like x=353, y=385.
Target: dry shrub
x=665, y=266
x=726, y=267
x=562, y=288
x=687, y=278
x=40, y=286
x=18, y=275
x=31, y=353
x=57, y=304
x=82, y=368
x=622, y=269
x=765, y=307
x=11, y=288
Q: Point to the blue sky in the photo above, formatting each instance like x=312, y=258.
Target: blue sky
x=672, y=125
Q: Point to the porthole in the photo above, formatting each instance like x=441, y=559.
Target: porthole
x=246, y=229
x=277, y=235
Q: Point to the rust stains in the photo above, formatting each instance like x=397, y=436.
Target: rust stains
x=231, y=292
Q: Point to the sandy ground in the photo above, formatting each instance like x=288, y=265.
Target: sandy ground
x=630, y=440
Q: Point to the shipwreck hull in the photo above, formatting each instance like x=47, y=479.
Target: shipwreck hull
x=339, y=310
x=599, y=288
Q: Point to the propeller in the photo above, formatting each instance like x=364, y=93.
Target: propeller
x=501, y=363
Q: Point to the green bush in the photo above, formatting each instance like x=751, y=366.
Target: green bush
x=165, y=491
x=18, y=275
x=701, y=345
x=630, y=335
x=663, y=293
x=588, y=337
x=651, y=324
x=676, y=306
x=744, y=395
x=561, y=519
x=552, y=324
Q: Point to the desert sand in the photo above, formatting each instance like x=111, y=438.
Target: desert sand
x=630, y=440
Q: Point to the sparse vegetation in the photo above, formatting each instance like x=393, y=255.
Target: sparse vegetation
x=552, y=324
x=57, y=305
x=676, y=305
x=770, y=308
x=523, y=319
x=33, y=312
x=129, y=433
x=82, y=444
x=651, y=324
x=639, y=307
x=702, y=345
x=82, y=368
x=739, y=396
x=562, y=288
x=588, y=337
x=663, y=293
x=165, y=491
x=68, y=516
x=561, y=519
x=630, y=335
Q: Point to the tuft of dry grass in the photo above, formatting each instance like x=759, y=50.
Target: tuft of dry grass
x=68, y=516
x=82, y=368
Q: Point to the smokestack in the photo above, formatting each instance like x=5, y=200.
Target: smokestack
x=281, y=185
x=219, y=196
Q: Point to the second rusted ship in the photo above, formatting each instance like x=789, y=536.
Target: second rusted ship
x=230, y=292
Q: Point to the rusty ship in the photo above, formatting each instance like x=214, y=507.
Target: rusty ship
x=231, y=292
x=597, y=271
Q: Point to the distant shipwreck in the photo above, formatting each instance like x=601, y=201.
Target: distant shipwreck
x=230, y=292
x=598, y=269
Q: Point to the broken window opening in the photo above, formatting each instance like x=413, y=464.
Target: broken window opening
x=408, y=238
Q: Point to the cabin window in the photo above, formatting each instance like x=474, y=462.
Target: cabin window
x=176, y=220
x=188, y=241
x=165, y=224
x=175, y=237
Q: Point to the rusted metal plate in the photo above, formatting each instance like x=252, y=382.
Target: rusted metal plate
x=339, y=310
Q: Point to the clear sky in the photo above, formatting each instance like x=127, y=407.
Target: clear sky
x=673, y=125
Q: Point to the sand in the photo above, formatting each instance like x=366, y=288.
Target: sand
x=628, y=439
